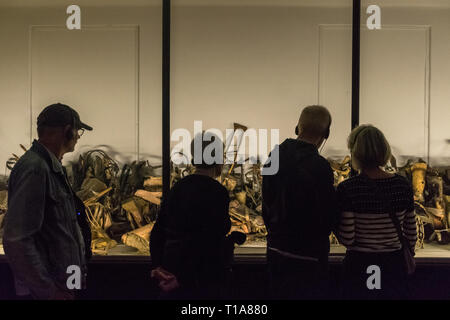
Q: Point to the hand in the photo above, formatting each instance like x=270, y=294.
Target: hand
x=61, y=294
x=166, y=280
x=161, y=274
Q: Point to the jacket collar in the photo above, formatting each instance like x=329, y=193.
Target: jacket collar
x=304, y=145
x=48, y=156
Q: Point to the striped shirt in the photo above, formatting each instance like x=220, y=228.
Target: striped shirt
x=365, y=224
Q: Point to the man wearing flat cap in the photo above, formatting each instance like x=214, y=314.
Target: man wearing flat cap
x=45, y=227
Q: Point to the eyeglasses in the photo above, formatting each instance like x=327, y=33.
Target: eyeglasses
x=80, y=132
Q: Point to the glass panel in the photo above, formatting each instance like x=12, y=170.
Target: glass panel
x=256, y=65
x=404, y=80
x=109, y=71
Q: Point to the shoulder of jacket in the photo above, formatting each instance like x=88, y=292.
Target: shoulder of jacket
x=30, y=162
x=405, y=182
x=402, y=179
x=220, y=187
x=324, y=161
x=344, y=184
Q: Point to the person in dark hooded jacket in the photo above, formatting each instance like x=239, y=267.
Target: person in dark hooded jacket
x=188, y=241
x=300, y=211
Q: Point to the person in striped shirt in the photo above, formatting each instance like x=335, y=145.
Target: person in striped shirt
x=366, y=203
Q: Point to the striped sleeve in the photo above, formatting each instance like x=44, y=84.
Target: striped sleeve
x=346, y=224
x=346, y=229
x=409, y=222
x=410, y=228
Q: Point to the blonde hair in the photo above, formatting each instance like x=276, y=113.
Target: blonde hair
x=368, y=147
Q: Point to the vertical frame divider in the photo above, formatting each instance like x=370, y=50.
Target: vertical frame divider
x=166, y=21
x=356, y=59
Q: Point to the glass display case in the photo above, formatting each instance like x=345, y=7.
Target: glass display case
x=404, y=70
x=109, y=70
x=253, y=66
x=240, y=67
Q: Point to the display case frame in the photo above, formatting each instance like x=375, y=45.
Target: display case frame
x=245, y=254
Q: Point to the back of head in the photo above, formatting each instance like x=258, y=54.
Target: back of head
x=211, y=147
x=314, y=122
x=368, y=147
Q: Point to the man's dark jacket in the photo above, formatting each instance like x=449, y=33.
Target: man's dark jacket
x=299, y=201
x=189, y=235
x=46, y=230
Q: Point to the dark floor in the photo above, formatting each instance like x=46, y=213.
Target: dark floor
x=131, y=281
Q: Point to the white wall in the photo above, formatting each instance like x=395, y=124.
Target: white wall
x=110, y=72
x=259, y=66
x=405, y=87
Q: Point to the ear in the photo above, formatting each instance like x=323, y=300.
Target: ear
x=327, y=133
x=68, y=134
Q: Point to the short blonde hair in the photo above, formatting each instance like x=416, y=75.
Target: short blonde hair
x=368, y=147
